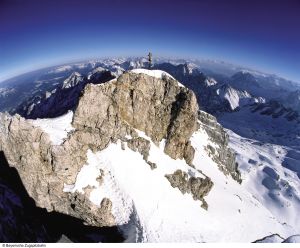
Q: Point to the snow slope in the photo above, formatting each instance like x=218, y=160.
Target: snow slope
x=56, y=128
x=236, y=98
x=148, y=209
x=154, y=73
x=266, y=176
x=292, y=239
x=152, y=211
x=261, y=127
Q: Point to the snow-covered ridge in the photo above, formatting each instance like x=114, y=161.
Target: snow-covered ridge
x=155, y=73
x=210, y=81
x=152, y=73
x=164, y=214
x=72, y=80
x=57, y=128
x=237, y=98
x=96, y=70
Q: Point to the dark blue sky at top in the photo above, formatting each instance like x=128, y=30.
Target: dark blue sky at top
x=263, y=35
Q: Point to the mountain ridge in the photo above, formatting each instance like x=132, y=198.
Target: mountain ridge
x=139, y=138
x=206, y=160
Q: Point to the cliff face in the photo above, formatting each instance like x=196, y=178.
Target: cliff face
x=221, y=154
x=160, y=108
x=117, y=111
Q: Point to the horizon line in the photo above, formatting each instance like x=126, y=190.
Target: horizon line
x=89, y=59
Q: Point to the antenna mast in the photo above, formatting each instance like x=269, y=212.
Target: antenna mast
x=150, y=60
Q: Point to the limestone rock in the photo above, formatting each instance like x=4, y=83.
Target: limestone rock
x=222, y=155
x=141, y=145
x=106, y=113
x=196, y=186
x=158, y=107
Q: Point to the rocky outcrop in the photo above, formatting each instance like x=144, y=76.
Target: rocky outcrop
x=22, y=221
x=106, y=113
x=220, y=153
x=160, y=108
x=196, y=186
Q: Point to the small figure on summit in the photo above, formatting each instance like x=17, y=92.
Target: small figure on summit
x=150, y=60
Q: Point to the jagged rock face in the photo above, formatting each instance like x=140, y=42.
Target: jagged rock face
x=106, y=113
x=160, y=108
x=27, y=148
x=221, y=154
x=41, y=165
x=198, y=187
x=73, y=80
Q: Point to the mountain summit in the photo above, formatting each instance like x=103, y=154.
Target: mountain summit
x=138, y=154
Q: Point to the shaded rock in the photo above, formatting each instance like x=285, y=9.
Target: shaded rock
x=141, y=145
x=221, y=154
x=22, y=221
x=64, y=239
x=158, y=107
x=152, y=165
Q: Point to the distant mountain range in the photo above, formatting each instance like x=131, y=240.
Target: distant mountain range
x=221, y=143
x=216, y=94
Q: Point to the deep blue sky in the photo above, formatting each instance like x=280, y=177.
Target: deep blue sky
x=261, y=34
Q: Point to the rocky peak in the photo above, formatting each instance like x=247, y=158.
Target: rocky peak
x=116, y=111
x=74, y=79
x=105, y=113
x=209, y=81
x=159, y=107
x=245, y=81
x=181, y=71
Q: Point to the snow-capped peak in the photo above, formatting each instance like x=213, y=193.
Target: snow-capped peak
x=72, y=80
x=210, y=81
x=237, y=98
x=155, y=73
x=96, y=70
